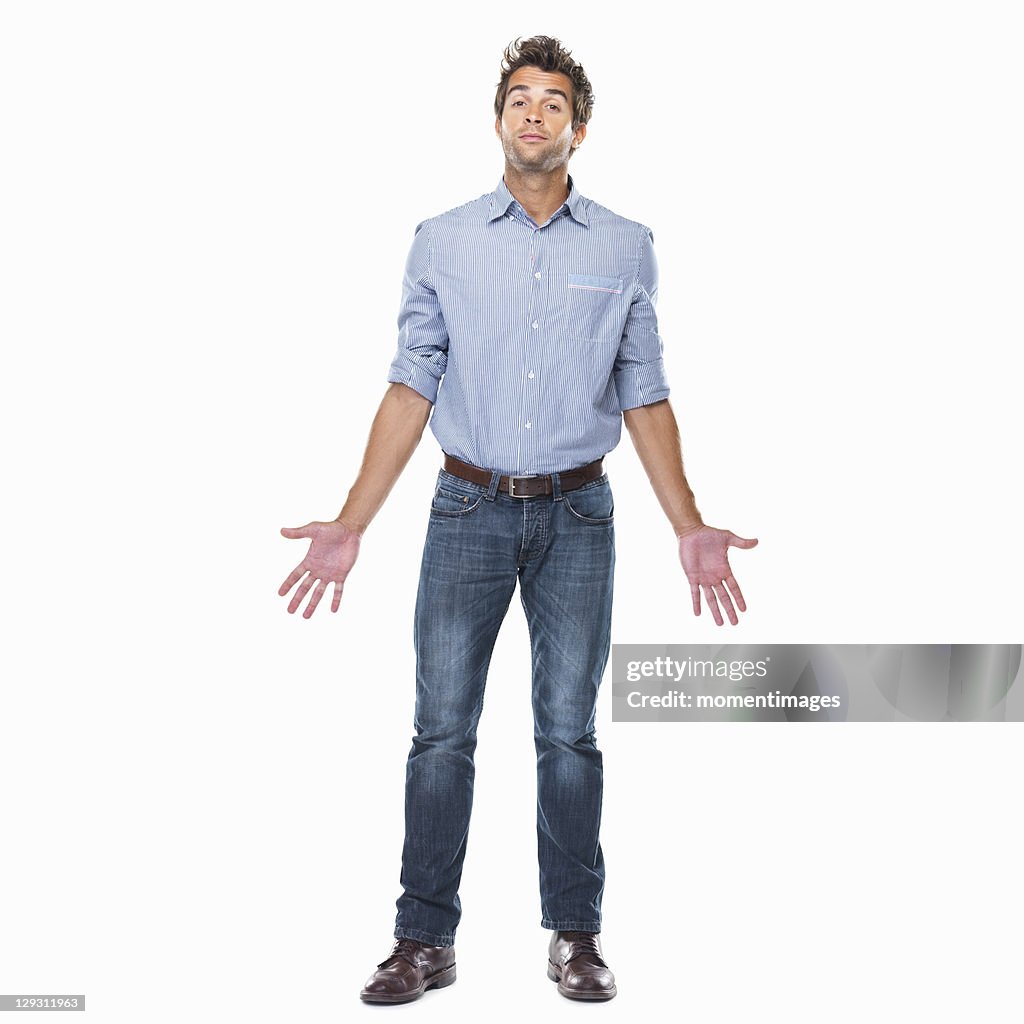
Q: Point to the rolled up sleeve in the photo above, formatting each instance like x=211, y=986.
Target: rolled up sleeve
x=639, y=371
x=422, y=354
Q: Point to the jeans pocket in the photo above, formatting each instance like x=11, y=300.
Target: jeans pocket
x=453, y=498
x=592, y=503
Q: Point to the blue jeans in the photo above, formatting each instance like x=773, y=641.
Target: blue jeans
x=561, y=549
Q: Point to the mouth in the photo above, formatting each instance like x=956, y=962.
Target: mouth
x=532, y=138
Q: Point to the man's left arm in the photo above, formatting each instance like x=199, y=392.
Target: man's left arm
x=642, y=390
x=703, y=550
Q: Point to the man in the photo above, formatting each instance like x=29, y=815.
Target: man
x=536, y=307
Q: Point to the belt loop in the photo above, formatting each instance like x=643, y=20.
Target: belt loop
x=556, y=487
x=492, y=490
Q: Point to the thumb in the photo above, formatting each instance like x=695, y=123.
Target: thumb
x=741, y=542
x=296, y=532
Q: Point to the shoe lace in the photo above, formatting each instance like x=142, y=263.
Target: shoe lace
x=583, y=942
x=403, y=949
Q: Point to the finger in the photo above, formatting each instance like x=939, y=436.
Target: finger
x=709, y=596
x=296, y=574
x=301, y=592
x=723, y=597
x=338, y=588
x=295, y=532
x=740, y=542
x=695, y=595
x=730, y=582
x=321, y=587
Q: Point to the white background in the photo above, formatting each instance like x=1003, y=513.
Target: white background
x=206, y=209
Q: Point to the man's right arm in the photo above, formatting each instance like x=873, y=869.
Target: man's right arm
x=394, y=435
x=334, y=546
x=420, y=360
x=415, y=374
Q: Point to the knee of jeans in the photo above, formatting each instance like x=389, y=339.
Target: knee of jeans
x=563, y=738
x=456, y=736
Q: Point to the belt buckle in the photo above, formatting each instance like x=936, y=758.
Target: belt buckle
x=512, y=485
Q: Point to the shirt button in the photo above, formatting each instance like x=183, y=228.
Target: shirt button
x=537, y=274
x=535, y=324
x=528, y=424
x=530, y=375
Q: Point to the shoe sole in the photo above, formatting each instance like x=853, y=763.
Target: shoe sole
x=555, y=974
x=442, y=979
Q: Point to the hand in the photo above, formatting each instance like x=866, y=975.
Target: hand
x=331, y=555
x=704, y=556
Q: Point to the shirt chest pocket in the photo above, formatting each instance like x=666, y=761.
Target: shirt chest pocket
x=593, y=306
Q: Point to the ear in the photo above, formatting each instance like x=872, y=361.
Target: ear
x=579, y=135
x=497, y=127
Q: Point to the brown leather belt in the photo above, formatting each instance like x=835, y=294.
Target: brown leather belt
x=525, y=486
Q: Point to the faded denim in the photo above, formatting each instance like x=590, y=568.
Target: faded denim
x=561, y=550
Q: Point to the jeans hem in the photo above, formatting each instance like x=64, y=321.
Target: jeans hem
x=570, y=926
x=429, y=938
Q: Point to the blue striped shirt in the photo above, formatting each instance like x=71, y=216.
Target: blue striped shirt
x=543, y=334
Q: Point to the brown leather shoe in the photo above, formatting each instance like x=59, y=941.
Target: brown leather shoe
x=409, y=971
x=575, y=962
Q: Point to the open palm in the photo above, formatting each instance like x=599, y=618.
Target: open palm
x=704, y=555
x=332, y=553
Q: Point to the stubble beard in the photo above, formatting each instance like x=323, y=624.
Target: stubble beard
x=555, y=154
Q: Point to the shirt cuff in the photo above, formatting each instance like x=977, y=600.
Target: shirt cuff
x=414, y=374
x=641, y=384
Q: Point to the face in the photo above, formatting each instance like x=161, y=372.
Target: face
x=531, y=107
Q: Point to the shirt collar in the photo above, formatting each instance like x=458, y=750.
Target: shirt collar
x=501, y=199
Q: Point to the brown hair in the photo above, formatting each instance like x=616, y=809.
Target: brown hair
x=547, y=54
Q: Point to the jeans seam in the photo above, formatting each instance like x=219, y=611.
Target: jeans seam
x=520, y=561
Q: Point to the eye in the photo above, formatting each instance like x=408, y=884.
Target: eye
x=554, y=106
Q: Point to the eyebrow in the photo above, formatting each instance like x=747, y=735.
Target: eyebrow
x=550, y=92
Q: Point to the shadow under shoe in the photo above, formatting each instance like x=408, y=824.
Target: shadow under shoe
x=576, y=963
x=409, y=971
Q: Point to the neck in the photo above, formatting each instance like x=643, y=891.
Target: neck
x=539, y=193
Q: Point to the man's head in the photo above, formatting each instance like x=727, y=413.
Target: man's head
x=545, y=92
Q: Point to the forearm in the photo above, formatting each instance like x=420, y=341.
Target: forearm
x=655, y=435
x=394, y=435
